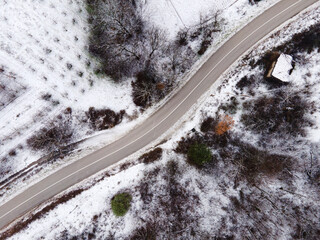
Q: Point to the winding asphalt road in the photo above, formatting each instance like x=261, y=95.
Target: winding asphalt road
x=161, y=120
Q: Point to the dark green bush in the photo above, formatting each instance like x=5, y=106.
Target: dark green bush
x=199, y=154
x=120, y=204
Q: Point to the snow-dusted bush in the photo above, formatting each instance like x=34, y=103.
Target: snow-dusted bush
x=169, y=207
x=127, y=46
x=284, y=112
x=120, y=38
x=52, y=138
x=208, y=124
x=151, y=156
x=101, y=119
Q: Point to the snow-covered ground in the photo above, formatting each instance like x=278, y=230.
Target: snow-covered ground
x=43, y=47
x=179, y=14
x=43, y=55
x=91, y=209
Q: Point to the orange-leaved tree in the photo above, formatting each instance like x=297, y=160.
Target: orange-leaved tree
x=224, y=125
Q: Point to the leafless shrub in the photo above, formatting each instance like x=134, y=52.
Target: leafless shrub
x=151, y=156
x=117, y=29
x=102, y=119
x=208, y=124
x=283, y=113
x=46, y=96
x=145, y=90
x=181, y=58
x=245, y=82
x=209, y=24
x=12, y=153
x=5, y=168
x=252, y=2
x=170, y=208
x=254, y=163
x=230, y=107
x=52, y=138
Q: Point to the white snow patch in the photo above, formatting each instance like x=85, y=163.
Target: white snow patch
x=174, y=15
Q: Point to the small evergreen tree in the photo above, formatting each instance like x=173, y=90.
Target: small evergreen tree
x=199, y=154
x=120, y=204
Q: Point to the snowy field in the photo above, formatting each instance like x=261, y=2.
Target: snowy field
x=179, y=14
x=46, y=70
x=43, y=51
x=90, y=212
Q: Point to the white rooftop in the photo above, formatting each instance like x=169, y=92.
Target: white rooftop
x=283, y=67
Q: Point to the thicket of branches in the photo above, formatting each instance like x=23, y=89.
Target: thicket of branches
x=101, y=119
x=54, y=137
x=117, y=37
x=127, y=46
x=168, y=210
x=285, y=112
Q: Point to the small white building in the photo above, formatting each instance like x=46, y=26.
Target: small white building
x=282, y=68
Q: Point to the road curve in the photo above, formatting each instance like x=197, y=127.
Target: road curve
x=161, y=120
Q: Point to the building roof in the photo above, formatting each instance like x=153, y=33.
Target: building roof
x=282, y=68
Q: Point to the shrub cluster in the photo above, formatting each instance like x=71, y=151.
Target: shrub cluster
x=52, y=138
x=170, y=206
x=151, y=156
x=203, y=32
x=305, y=41
x=126, y=46
x=282, y=113
x=254, y=162
x=102, y=119
x=116, y=31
